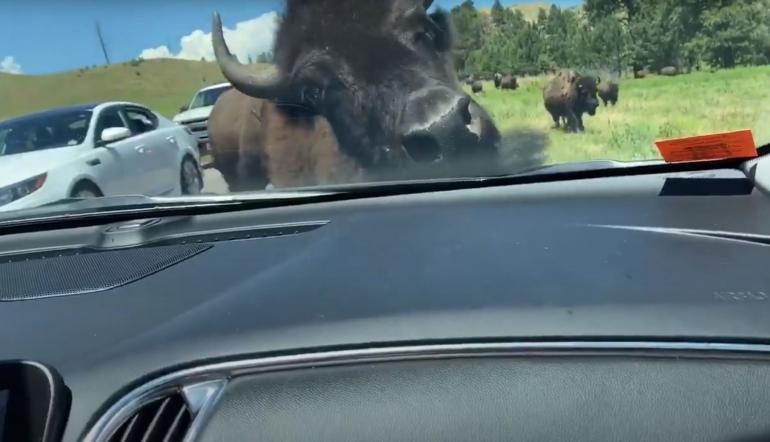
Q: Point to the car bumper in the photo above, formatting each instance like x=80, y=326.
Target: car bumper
x=35, y=199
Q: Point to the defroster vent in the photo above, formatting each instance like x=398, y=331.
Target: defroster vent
x=166, y=419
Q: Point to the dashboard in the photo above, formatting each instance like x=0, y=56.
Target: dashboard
x=605, y=308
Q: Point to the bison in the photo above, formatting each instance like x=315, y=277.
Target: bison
x=363, y=90
x=608, y=92
x=568, y=95
x=669, y=71
x=477, y=87
x=509, y=82
x=498, y=80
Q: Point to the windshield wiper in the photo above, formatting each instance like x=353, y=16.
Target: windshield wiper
x=117, y=208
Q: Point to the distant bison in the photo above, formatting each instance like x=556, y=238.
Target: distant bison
x=669, y=71
x=498, y=80
x=477, y=87
x=470, y=79
x=642, y=73
x=354, y=97
x=568, y=95
x=608, y=92
x=509, y=82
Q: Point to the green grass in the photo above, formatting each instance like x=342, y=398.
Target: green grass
x=648, y=109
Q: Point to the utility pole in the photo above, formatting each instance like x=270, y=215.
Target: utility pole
x=101, y=42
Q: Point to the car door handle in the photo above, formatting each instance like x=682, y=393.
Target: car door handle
x=171, y=140
x=94, y=162
x=139, y=149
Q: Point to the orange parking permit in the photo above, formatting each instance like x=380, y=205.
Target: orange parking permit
x=738, y=144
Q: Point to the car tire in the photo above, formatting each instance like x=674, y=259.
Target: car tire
x=190, y=179
x=86, y=190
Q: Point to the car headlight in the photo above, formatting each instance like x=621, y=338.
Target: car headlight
x=9, y=194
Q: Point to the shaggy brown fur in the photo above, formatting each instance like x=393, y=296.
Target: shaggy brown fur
x=608, y=92
x=509, y=82
x=568, y=95
x=367, y=56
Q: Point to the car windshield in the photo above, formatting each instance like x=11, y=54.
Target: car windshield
x=295, y=94
x=43, y=131
x=207, y=97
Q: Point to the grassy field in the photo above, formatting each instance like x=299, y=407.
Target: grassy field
x=649, y=109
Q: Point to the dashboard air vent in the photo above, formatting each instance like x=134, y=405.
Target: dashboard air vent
x=166, y=419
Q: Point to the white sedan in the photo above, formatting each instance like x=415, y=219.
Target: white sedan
x=103, y=149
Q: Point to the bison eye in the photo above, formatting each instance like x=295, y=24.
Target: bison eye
x=424, y=37
x=312, y=96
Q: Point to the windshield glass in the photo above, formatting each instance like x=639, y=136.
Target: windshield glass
x=309, y=94
x=45, y=131
x=207, y=97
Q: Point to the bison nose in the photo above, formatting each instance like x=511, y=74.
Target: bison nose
x=435, y=124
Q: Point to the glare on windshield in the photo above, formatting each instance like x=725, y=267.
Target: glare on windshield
x=296, y=93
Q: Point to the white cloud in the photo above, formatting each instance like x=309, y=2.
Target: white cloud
x=9, y=66
x=249, y=38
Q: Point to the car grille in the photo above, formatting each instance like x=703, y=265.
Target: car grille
x=199, y=129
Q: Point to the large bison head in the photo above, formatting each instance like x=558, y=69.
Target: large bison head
x=586, y=94
x=381, y=73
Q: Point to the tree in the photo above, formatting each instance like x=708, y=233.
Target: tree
x=468, y=26
x=608, y=45
x=736, y=33
x=498, y=13
x=613, y=34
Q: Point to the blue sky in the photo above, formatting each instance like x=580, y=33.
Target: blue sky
x=45, y=36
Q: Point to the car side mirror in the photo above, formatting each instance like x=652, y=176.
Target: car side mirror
x=112, y=134
x=184, y=108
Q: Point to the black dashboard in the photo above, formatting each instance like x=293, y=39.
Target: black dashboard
x=611, y=308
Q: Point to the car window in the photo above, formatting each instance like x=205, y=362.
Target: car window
x=109, y=118
x=140, y=120
x=208, y=97
x=43, y=131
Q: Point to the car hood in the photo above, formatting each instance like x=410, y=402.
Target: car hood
x=194, y=114
x=18, y=167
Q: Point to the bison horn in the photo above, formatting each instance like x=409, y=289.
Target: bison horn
x=242, y=78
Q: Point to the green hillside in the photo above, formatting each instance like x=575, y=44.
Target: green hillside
x=163, y=85
x=528, y=10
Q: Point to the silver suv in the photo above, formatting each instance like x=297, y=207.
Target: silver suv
x=196, y=114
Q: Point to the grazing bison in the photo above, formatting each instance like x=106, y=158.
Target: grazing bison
x=477, y=87
x=509, y=82
x=669, y=71
x=363, y=90
x=608, y=92
x=568, y=95
x=470, y=79
x=498, y=80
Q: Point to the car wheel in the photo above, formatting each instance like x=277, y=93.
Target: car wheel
x=190, y=177
x=86, y=190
